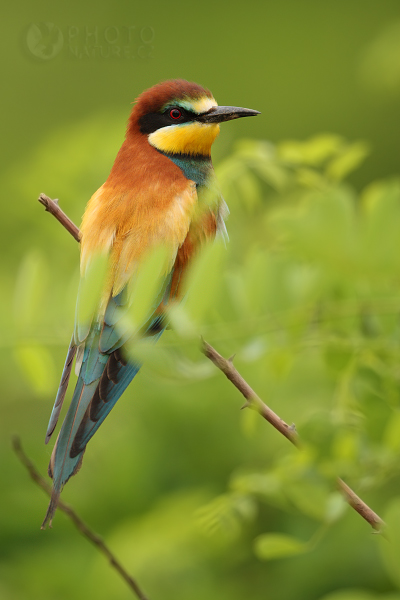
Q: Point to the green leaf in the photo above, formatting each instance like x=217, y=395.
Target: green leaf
x=154, y=356
x=249, y=189
x=309, y=497
x=203, y=280
x=351, y=158
x=310, y=178
x=226, y=514
x=275, y=545
x=338, y=354
x=273, y=173
x=390, y=543
x=280, y=361
x=392, y=433
x=346, y=443
x=90, y=293
x=30, y=289
x=37, y=364
x=313, y=151
x=260, y=156
x=147, y=285
x=256, y=483
x=336, y=506
x=181, y=322
x=380, y=227
x=320, y=229
x=249, y=285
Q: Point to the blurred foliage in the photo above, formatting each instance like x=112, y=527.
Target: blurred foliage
x=380, y=64
x=195, y=496
x=198, y=499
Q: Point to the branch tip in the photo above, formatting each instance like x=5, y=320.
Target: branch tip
x=79, y=524
x=52, y=207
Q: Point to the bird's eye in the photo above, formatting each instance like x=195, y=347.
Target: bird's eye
x=175, y=113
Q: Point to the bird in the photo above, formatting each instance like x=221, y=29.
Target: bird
x=161, y=192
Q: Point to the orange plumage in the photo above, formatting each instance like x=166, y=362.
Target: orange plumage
x=160, y=192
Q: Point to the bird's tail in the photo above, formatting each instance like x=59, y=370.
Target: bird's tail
x=90, y=404
x=62, y=466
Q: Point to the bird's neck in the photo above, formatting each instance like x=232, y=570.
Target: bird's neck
x=198, y=168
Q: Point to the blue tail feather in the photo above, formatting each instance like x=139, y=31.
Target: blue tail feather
x=94, y=419
x=102, y=380
x=104, y=375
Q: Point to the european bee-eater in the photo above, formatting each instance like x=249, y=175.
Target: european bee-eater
x=160, y=192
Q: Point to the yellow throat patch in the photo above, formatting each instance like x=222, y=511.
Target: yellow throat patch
x=188, y=138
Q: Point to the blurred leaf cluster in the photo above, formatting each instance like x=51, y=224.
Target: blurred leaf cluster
x=317, y=289
x=193, y=495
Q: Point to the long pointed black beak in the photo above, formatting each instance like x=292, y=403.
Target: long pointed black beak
x=217, y=114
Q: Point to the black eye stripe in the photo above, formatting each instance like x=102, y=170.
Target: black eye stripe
x=153, y=121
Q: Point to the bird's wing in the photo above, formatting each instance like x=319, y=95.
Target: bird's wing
x=104, y=371
x=55, y=413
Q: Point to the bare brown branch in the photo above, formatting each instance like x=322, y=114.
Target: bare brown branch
x=53, y=208
x=79, y=524
x=252, y=400
x=359, y=505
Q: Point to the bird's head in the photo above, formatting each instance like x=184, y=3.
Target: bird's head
x=179, y=117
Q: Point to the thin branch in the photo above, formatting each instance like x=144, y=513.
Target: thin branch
x=289, y=431
x=52, y=207
x=252, y=400
x=79, y=524
x=359, y=505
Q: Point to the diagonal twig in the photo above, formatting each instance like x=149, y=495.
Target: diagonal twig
x=79, y=524
x=252, y=400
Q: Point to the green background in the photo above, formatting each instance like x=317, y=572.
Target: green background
x=167, y=481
